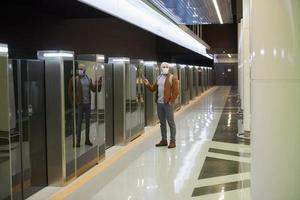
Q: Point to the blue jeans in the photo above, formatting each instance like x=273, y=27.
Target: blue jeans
x=165, y=113
x=83, y=109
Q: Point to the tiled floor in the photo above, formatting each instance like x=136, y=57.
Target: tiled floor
x=210, y=162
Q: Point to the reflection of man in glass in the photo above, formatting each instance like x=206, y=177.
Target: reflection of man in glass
x=84, y=86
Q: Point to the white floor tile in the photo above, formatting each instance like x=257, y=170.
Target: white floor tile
x=149, y=173
x=161, y=173
x=223, y=179
x=228, y=157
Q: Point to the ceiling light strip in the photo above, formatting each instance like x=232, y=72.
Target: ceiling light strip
x=218, y=11
x=143, y=16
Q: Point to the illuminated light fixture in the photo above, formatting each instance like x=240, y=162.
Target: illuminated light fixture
x=120, y=60
x=150, y=63
x=3, y=49
x=274, y=52
x=100, y=58
x=262, y=52
x=143, y=16
x=191, y=66
x=48, y=55
x=229, y=55
x=182, y=66
x=172, y=64
x=282, y=54
x=218, y=11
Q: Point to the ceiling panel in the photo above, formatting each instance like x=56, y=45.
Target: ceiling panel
x=195, y=11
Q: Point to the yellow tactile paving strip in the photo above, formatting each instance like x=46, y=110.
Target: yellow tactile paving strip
x=87, y=176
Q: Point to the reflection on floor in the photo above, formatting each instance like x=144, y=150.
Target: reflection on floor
x=228, y=124
x=209, y=162
x=222, y=162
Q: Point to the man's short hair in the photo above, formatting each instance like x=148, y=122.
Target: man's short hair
x=81, y=66
x=164, y=64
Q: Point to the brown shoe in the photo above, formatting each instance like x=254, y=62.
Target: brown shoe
x=162, y=143
x=172, y=144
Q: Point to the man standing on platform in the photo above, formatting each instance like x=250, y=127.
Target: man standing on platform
x=166, y=87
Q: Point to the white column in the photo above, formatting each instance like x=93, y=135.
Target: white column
x=240, y=63
x=246, y=65
x=275, y=98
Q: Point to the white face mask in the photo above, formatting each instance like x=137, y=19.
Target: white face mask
x=81, y=72
x=165, y=71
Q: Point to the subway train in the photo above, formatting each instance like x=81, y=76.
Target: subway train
x=44, y=132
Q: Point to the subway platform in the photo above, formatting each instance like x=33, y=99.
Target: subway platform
x=209, y=162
